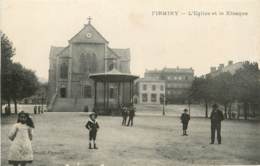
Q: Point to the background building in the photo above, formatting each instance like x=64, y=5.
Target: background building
x=150, y=91
x=177, y=82
x=88, y=52
x=230, y=67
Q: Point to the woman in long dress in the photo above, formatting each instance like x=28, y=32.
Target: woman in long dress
x=21, y=137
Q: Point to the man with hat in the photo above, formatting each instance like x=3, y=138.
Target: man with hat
x=216, y=117
x=185, y=118
x=93, y=126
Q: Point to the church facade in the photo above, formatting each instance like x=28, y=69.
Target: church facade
x=87, y=52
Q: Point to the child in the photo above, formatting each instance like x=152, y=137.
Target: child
x=185, y=117
x=21, y=137
x=92, y=126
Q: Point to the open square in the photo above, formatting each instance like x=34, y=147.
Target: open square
x=61, y=138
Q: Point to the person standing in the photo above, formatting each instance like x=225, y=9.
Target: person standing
x=124, y=115
x=216, y=117
x=42, y=109
x=185, y=118
x=39, y=109
x=35, y=109
x=21, y=136
x=6, y=110
x=93, y=126
x=131, y=115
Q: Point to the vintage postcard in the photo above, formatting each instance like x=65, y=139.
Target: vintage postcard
x=130, y=82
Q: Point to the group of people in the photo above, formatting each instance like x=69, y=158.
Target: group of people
x=21, y=134
x=38, y=109
x=216, y=117
x=128, y=112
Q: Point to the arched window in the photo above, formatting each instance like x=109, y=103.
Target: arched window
x=89, y=62
x=83, y=64
x=93, y=63
x=64, y=71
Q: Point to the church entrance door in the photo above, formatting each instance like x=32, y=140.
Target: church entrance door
x=63, y=92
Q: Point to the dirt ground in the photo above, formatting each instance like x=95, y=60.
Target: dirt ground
x=60, y=139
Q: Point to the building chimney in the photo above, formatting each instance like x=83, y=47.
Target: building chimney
x=213, y=69
x=221, y=66
x=230, y=62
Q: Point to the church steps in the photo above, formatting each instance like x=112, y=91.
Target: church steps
x=72, y=105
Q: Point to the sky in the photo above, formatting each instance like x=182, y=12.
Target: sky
x=155, y=41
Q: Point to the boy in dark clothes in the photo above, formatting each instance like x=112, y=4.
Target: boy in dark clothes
x=131, y=115
x=185, y=117
x=93, y=126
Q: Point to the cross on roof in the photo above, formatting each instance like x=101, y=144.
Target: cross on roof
x=89, y=19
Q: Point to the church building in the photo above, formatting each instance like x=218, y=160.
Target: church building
x=87, y=52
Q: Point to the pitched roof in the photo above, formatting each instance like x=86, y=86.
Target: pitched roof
x=124, y=54
x=55, y=50
x=81, y=36
x=112, y=54
x=64, y=52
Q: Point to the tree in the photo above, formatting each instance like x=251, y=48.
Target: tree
x=17, y=82
x=200, y=91
x=222, y=90
x=225, y=88
x=7, y=52
x=247, y=84
x=24, y=83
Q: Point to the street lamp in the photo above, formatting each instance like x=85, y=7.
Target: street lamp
x=42, y=102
